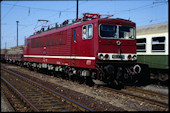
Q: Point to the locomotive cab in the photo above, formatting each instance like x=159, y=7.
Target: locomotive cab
x=117, y=42
x=116, y=56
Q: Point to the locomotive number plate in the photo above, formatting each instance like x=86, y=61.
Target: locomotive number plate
x=118, y=56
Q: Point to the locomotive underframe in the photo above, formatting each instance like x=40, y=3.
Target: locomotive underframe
x=106, y=72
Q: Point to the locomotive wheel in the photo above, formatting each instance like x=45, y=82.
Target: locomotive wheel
x=36, y=69
x=144, y=77
x=89, y=81
x=22, y=64
x=111, y=82
x=162, y=77
x=30, y=68
x=57, y=74
x=73, y=77
x=52, y=73
x=81, y=80
x=115, y=84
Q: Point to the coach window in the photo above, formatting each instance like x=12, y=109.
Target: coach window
x=87, y=31
x=158, y=44
x=141, y=45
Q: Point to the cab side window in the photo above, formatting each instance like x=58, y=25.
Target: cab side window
x=87, y=31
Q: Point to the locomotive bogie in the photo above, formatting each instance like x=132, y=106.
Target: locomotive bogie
x=121, y=73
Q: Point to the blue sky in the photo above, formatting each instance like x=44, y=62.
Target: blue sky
x=142, y=12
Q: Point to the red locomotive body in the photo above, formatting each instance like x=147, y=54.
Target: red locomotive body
x=58, y=47
x=98, y=48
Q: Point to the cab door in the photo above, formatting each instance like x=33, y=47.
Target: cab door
x=74, y=49
x=86, y=41
x=74, y=41
x=82, y=47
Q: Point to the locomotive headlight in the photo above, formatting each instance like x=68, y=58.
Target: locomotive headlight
x=129, y=57
x=106, y=57
x=134, y=57
x=101, y=56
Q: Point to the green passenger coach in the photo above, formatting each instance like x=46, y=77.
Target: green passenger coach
x=153, y=49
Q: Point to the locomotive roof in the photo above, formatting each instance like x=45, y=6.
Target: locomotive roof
x=118, y=21
x=72, y=25
x=152, y=29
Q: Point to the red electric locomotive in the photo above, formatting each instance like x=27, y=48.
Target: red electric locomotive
x=92, y=48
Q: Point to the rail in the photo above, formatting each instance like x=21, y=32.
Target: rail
x=137, y=97
x=73, y=103
x=21, y=95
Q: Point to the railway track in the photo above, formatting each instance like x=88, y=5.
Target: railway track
x=142, y=95
x=132, y=93
x=31, y=96
x=146, y=92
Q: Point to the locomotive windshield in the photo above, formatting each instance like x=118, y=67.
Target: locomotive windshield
x=115, y=31
x=108, y=31
x=126, y=32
